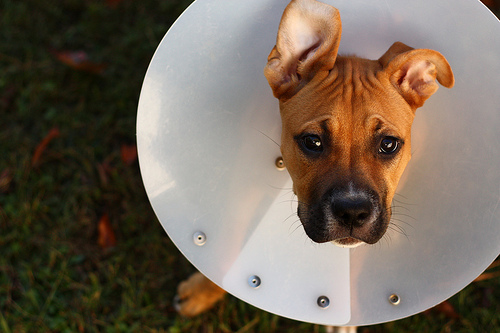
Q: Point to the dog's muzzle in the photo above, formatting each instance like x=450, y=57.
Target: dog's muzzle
x=347, y=217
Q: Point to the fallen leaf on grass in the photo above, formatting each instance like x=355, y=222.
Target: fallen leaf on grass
x=105, y=169
x=106, y=235
x=488, y=273
x=79, y=60
x=103, y=173
x=487, y=276
x=42, y=146
x=491, y=4
x=446, y=309
x=128, y=154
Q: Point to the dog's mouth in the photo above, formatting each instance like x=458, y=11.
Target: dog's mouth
x=346, y=218
x=348, y=242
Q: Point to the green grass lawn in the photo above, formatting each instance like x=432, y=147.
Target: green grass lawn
x=71, y=73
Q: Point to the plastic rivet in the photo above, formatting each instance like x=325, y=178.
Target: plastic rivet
x=280, y=164
x=254, y=281
x=199, y=238
x=323, y=302
x=394, y=299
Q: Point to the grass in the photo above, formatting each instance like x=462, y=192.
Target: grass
x=75, y=68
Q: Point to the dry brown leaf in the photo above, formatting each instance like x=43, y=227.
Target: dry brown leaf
x=488, y=273
x=487, y=276
x=128, y=154
x=446, y=309
x=104, y=169
x=42, y=146
x=106, y=235
x=101, y=171
x=489, y=3
x=79, y=60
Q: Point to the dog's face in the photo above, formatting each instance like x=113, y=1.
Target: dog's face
x=345, y=146
x=346, y=122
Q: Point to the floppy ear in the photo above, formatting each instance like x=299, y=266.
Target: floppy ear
x=307, y=42
x=414, y=72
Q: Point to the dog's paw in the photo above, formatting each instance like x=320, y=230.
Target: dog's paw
x=196, y=295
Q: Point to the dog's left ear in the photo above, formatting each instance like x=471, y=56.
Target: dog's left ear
x=307, y=43
x=414, y=72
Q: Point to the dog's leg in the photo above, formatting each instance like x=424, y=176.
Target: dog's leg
x=197, y=294
x=341, y=329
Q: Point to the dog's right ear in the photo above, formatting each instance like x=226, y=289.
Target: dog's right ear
x=414, y=72
x=307, y=43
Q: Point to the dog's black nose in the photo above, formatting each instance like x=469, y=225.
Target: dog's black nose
x=352, y=211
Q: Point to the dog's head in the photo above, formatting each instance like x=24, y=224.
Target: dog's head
x=346, y=122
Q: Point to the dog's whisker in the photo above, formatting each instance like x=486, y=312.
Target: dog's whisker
x=393, y=220
x=403, y=234
x=296, y=222
x=400, y=222
x=280, y=188
x=394, y=207
x=399, y=229
x=397, y=210
x=403, y=202
x=387, y=238
x=288, y=201
x=290, y=194
x=400, y=195
x=289, y=217
x=267, y=136
x=404, y=215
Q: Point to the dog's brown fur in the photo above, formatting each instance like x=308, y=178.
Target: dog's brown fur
x=342, y=117
x=197, y=294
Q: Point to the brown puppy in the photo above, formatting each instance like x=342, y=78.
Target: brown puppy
x=346, y=122
x=346, y=125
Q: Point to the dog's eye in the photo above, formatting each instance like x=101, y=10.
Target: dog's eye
x=389, y=145
x=312, y=143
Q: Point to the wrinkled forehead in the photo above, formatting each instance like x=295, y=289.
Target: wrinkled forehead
x=371, y=110
x=351, y=93
x=387, y=111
